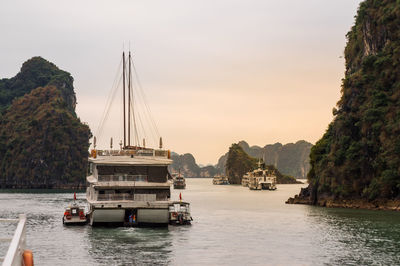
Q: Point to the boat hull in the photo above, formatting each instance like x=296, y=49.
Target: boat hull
x=143, y=216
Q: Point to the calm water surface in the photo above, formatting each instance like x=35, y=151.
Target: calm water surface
x=232, y=226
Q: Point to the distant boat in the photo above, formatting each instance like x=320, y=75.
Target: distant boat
x=179, y=181
x=220, y=180
x=74, y=214
x=261, y=179
x=245, y=180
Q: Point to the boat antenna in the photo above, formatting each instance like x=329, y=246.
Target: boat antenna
x=94, y=142
x=123, y=91
x=144, y=143
x=160, y=142
x=111, y=143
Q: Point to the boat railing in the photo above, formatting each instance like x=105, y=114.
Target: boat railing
x=122, y=178
x=132, y=152
x=111, y=197
x=18, y=242
x=127, y=196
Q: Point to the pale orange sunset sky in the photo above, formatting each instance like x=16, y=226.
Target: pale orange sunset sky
x=214, y=71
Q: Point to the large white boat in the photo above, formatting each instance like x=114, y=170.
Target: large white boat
x=131, y=186
x=262, y=179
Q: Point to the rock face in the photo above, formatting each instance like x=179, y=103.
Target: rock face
x=290, y=159
x=238, y=163
x=187, y=165
x=356, y=162
x=42, y=142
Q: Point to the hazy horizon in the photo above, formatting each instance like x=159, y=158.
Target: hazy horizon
x=214, y=72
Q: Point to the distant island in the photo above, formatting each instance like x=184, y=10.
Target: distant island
x=43, y=144
x=356, y=164
x=291, y=159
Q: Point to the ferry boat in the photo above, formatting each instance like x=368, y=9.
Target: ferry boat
x=179, y=181
x=129, y=186
x=220, y=180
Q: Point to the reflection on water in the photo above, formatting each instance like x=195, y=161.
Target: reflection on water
x=232, y=226
x=358, y=236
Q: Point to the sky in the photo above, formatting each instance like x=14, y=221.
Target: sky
x=214, y=72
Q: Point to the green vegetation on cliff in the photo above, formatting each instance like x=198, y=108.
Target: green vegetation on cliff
x=42, y=142
x=359, y=155
x=238, y=163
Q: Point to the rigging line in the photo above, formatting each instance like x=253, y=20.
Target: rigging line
x=109, y=98
x=147, y=117
x=141, y=127
x=108, y=110
x=144, y=98
x=134, y=117
x=109, y=101
x=107, y=107
x=139, y=107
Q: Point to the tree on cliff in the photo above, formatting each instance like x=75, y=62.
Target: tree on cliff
x=42, y=142
x=238, y=163
x=359, y=155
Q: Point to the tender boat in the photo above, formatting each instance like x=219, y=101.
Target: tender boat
x=179, y=213
x=74, y=214
x=220, y=180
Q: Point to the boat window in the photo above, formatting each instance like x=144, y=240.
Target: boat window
x=90, y=168
x=101, y=192
x=157, y=174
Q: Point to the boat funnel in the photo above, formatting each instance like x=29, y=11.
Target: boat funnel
x=160, y=142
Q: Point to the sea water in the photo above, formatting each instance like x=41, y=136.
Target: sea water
x=232, y=226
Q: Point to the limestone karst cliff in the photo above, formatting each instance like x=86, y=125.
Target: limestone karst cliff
x=358, y=157
x=43, y=144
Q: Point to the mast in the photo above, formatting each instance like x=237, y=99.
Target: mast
x=129, y=101
x=123, y=82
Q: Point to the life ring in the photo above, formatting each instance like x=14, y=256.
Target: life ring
x=28, y=257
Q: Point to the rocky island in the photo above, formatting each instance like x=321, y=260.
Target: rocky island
x=43, y=144
x=356, y=162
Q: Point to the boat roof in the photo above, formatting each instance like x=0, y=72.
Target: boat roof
x=131, y=160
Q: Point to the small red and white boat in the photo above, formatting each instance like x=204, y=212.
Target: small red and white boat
x=74, y=214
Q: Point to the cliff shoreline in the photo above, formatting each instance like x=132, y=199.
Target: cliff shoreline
x=305, y=197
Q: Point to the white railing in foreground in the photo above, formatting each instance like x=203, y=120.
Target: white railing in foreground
x=17, y=245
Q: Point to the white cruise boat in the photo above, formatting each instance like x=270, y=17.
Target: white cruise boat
x=129, y=186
